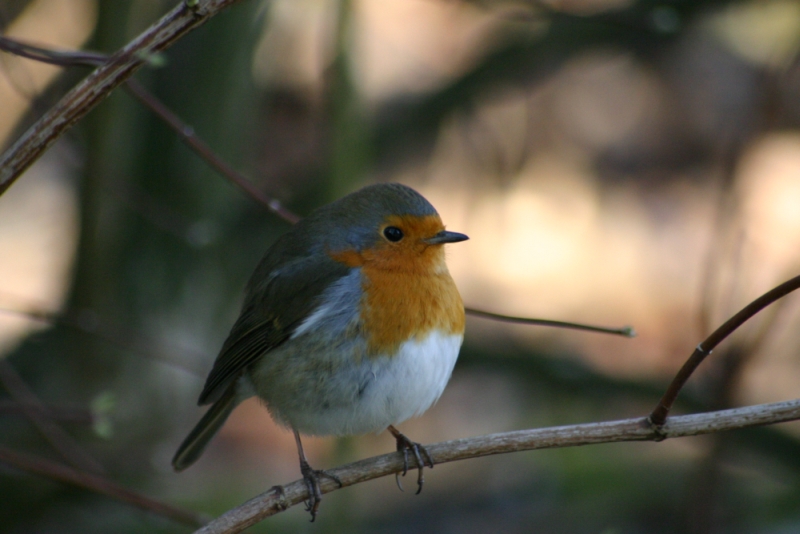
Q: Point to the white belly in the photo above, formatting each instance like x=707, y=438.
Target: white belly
x=412, y=381
x=376, y=392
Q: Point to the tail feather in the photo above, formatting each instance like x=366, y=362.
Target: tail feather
x=195, y=443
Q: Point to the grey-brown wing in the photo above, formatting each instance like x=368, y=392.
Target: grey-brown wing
x=278, y=302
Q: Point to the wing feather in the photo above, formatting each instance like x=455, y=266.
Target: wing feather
x=278, y=300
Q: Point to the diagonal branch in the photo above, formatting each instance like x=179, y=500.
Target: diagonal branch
x=63, y=414
x=205, y=152
x=67, y=447
x=62, y=473
x=659, y=414
x=275, y=501
x=99, y=84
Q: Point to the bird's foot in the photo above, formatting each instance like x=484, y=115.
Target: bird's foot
x=405, y=445
x=311, y=478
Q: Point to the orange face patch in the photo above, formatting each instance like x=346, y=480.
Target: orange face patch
x=408, y=291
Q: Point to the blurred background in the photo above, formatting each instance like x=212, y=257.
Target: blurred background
x=613, y=161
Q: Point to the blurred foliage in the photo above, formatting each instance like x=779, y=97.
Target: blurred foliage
x=166, y=246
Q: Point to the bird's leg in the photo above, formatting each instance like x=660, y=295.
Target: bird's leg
x=311, y=478
x=404, y=445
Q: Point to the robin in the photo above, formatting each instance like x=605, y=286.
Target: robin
x=351, y=324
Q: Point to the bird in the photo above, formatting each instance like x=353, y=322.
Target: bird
x=351, y=324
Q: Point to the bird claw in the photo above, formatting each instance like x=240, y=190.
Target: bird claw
x=311, y=478
x=404, y=445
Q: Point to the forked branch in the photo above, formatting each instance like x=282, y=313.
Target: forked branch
x=99, y=84
x=659, y=414
x=274, y=501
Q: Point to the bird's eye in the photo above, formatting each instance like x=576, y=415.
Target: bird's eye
x=393, y=233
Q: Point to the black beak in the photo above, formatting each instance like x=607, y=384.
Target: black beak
x=445, y=237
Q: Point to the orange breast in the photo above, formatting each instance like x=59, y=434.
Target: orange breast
x=401, y=306
x=408, y=291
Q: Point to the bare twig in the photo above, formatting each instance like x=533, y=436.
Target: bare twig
x=64, y=414
x=88, y=322
x=68, y=448
x=275, y=501
x=61, y=58
x=626, y=331
x=201, y=148
x=659, y=414
x=55, y=471
x=99, y=84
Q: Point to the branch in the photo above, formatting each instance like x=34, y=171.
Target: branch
x=659, y=414
x=61, y=58
x=99, y=84
x=67, y=447
x=625, y=331
x=62, y=473
x=64, y=414
x=275, y=501
x=206, y=153
x=90, y=323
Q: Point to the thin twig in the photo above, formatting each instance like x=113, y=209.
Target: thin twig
x=61, y=58
x=55, y=471
x=89, y=323
x=63, y=443
x=99, y=84
x=626, y=331
x=659, y=414
x=202, y=149
x=275, y=501
x=64, y=414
